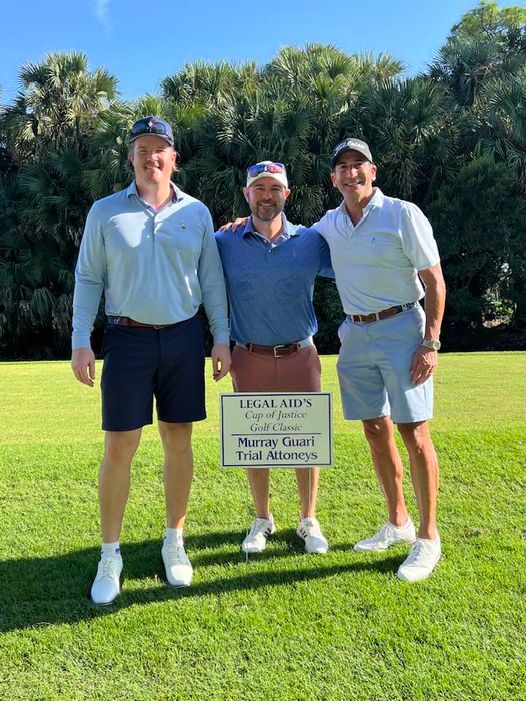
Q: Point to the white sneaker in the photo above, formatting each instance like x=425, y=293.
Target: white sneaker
x=315, y=542
x=256, y=540
x=421, y=560
x=179, y=571
x=106, y=585
x=388, y=535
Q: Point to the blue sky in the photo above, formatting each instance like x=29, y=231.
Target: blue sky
x=141, y=42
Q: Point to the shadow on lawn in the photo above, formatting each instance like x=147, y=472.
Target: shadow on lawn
x=37, y=592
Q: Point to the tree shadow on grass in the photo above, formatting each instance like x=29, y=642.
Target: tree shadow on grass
x=38, y=592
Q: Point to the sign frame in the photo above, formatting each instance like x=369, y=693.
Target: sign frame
x=264, y=410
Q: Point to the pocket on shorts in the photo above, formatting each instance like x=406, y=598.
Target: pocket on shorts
x=314, y=359
x=419, y=319
x=234, y=358
x=105, y=341
x=113, y=337
x=343, y=331
x=318, y=363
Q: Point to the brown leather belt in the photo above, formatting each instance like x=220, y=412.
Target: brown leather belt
x=276, y=351
x=126, y=321
x=377, y=316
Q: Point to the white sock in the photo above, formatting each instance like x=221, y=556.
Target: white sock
x=111, y=550
x=174, y=535
x=404, y=525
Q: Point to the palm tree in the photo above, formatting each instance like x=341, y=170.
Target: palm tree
x=59, y=103
x=412, y=136
x=294, y=110
x=487, y=43
x=499, y=124
x=47, y=133
x=208, y=83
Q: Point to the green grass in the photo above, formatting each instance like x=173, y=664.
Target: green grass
x=285, y=626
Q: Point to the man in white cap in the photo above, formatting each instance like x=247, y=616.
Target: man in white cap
x=270, y=266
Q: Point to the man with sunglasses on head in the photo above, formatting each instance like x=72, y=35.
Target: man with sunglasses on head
x=150, y=248
x=270, y=267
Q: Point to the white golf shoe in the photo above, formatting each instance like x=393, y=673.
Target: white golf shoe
x=315, y=542
x=179, y=571
x=387, y=536
x=106, y=585
x=421, y=560
x=256, y=540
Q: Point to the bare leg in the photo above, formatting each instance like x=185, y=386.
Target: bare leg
x=178, y=470
x=114, y=480
x=424, y=472
x=388, y=466
x=308, y=489
x=258, y=479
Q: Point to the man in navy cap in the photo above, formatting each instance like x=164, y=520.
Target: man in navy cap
x=386, y=260
x=151, y=250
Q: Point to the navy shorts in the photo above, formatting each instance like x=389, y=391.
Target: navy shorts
x=140, y=364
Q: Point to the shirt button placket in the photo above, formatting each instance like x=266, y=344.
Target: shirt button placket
x=150, y=225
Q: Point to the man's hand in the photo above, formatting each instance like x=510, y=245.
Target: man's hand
x=83, y=365
x=220, y=360
x=234, y=226
x=424, y=364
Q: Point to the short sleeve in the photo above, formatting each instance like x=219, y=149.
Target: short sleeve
x=418, y=242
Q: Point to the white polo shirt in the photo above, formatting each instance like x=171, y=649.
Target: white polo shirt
x=376, y=262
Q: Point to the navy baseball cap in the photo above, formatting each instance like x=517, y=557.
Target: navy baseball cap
x=350, y=144
x=154, y=126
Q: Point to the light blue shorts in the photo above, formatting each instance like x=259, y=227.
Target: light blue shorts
x=373, y=369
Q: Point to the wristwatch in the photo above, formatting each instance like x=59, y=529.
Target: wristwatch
x=432, y=344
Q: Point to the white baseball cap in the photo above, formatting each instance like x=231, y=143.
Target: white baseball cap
x=267, y=169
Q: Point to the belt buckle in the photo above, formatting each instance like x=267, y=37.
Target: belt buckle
x=369, y=318
x=276, y=348
x=158, y=326
x=116, y=319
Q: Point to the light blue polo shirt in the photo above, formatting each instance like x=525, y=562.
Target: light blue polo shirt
x=376, y=262
x=153, y=266
x=270, y=284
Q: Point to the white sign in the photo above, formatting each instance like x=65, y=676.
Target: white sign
x=276, y=429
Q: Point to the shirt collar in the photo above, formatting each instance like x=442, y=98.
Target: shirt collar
x=287, y=229
x=375, y=201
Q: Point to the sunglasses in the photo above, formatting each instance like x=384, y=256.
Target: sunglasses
x=259, y=168
x=150, y=127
